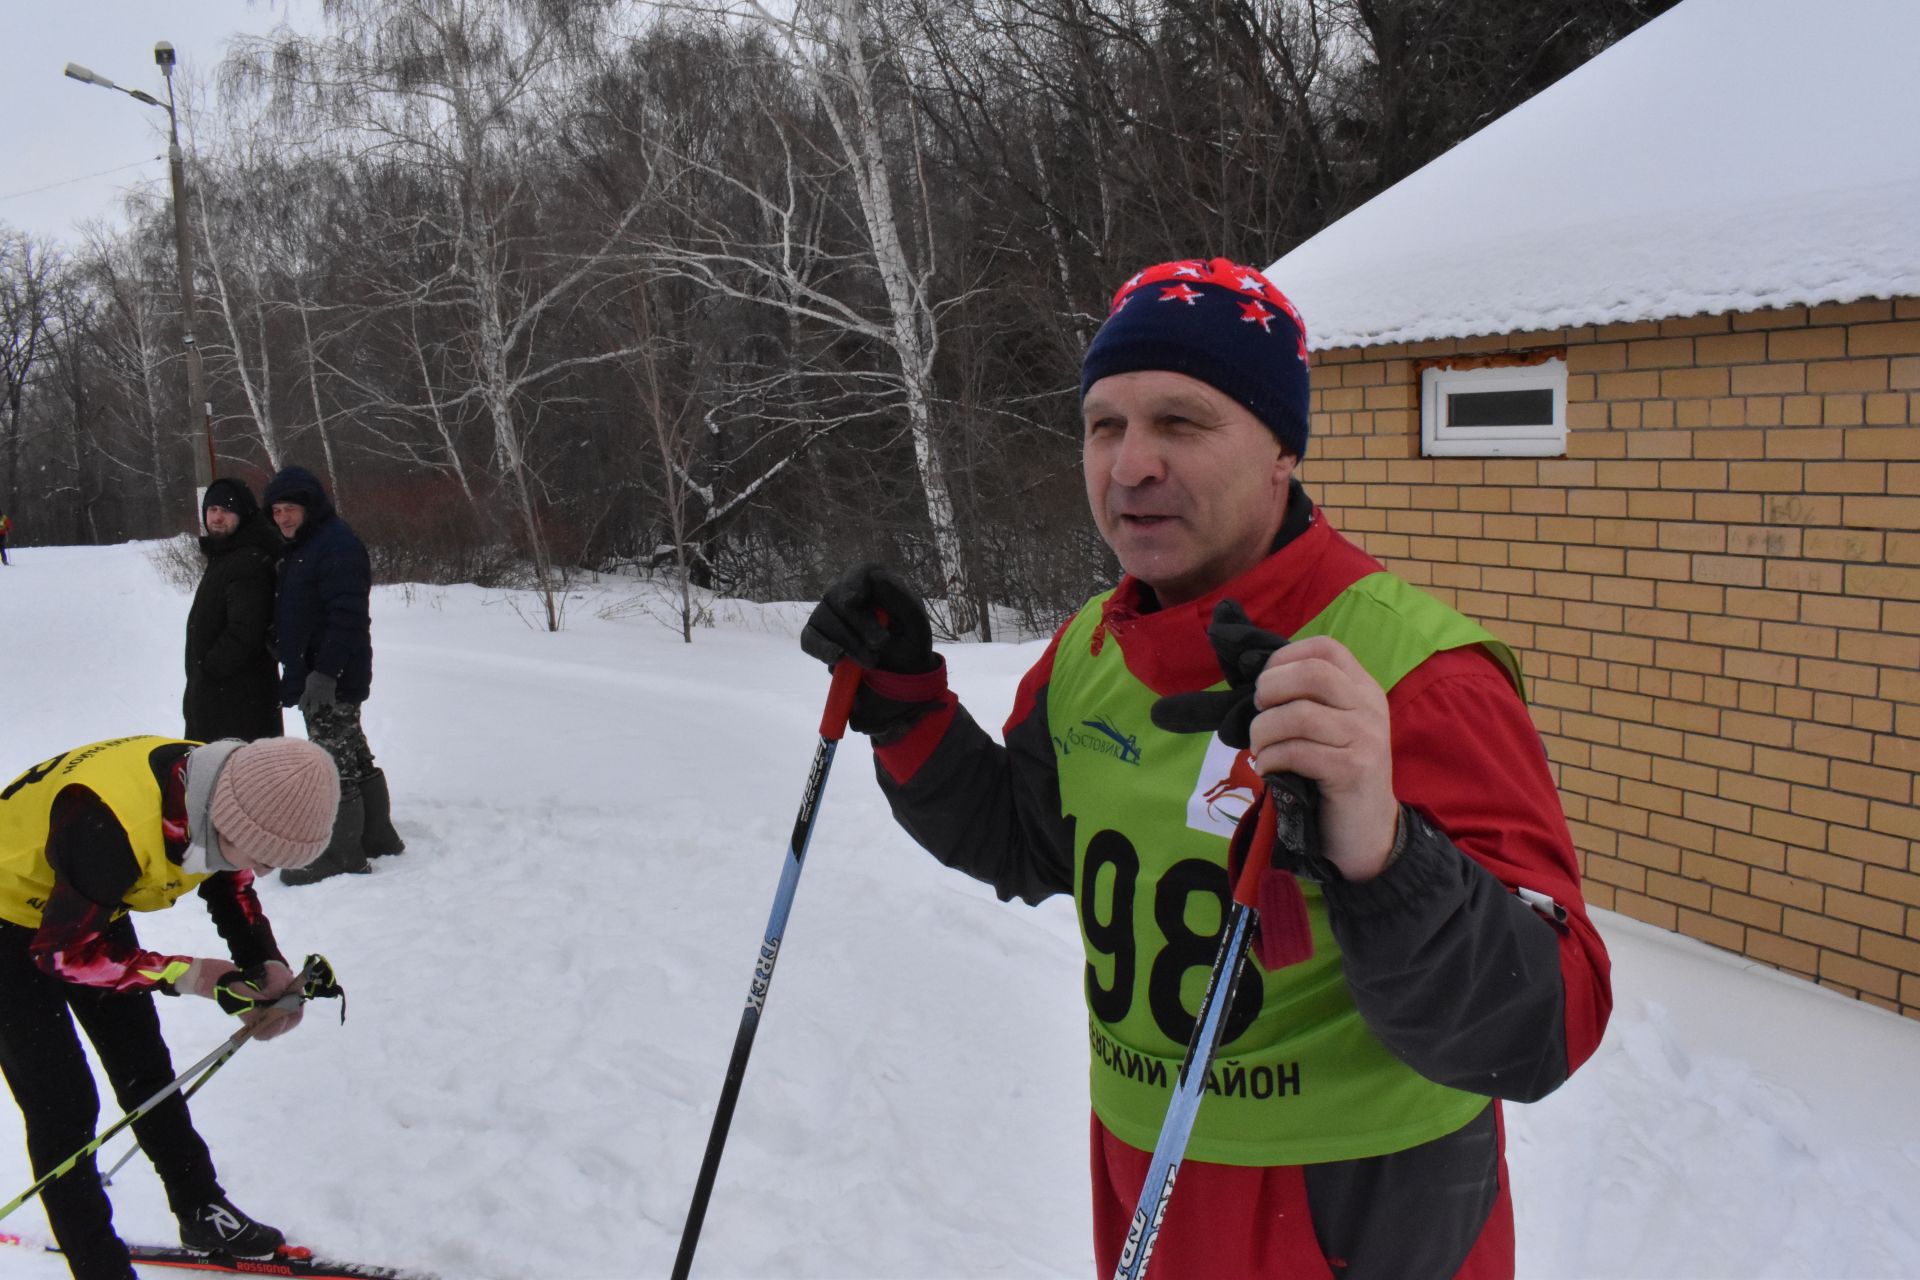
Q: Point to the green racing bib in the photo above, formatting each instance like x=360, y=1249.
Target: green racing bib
x=1299, y=1077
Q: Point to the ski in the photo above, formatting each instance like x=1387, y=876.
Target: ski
x=289, y=1260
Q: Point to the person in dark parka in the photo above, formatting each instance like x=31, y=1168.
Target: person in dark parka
x=233, y=681
x=324, y=633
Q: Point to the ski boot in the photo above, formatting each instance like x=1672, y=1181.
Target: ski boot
x=377, y=835
x=219, y=1227
x=344, y=852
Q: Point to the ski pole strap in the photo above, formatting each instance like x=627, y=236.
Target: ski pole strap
x=236, y=991
x=317, y=982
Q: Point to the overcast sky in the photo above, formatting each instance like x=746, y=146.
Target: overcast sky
x=74, y=149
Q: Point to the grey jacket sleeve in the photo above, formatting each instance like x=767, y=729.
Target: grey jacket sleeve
x=988, y=810
x=1458, y=977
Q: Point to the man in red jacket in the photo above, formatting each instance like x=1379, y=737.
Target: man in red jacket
x=1424, y=949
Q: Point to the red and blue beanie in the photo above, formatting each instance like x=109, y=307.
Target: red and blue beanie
x=1217, y=321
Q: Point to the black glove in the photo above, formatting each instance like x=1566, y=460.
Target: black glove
x=255, y=994
x=847, y=624
x=1242, y=650
x=240, y=991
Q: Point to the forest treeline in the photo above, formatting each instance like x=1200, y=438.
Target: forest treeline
x=742, y=296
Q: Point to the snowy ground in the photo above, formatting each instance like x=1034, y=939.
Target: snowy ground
x=546, y=987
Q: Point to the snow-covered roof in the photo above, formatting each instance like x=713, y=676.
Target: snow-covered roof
x=1730, y=155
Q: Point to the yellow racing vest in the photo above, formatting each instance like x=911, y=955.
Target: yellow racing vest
x=119, y=772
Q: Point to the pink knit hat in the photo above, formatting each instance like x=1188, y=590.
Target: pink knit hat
x=274, y=801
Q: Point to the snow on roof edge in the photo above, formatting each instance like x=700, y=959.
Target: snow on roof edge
x=1705, y=193
x=1825, y=247
x=1580, y=317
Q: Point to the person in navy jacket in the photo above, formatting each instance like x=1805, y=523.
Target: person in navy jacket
x=324, y=631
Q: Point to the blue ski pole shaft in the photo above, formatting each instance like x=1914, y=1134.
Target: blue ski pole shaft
x=1191, y=1086
x=833, y=725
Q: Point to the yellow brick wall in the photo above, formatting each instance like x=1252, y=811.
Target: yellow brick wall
x=1717, y=596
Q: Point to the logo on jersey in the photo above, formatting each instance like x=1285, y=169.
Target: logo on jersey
x=1226, y=788
x=1099, y=735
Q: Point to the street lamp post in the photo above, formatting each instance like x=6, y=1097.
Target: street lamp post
x=199, y=408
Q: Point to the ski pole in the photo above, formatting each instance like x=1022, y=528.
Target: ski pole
x=315, y=979
x=213, y=1060
x=1191, y=1086
x=833, y=725
x=106, y=1179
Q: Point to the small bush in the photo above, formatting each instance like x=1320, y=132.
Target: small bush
x=422, y=528
x=178, y=561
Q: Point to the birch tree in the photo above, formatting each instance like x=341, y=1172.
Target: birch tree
x=241, y=299
x=832, y=44
x=450, y=89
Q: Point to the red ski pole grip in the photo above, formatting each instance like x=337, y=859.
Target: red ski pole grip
x=1255, y=853
x=846, y=683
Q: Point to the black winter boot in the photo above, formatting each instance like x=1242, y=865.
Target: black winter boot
x=344, y=851
x=378, y=836
x=218, y=1227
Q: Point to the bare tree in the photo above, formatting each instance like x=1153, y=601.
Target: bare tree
x=449, y=87
x=792, y=263
x=746, y=369
x=71, y=345
x=132, y=341
x=731, y=287
x=26, y=286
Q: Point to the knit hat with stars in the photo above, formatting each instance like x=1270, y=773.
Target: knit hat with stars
x=1217, y=321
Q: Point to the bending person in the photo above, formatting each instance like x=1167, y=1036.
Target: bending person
x=131, y=824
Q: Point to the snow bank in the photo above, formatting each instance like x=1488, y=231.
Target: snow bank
x=544, y=990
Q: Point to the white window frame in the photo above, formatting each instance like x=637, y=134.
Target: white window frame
x=1440, y=438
